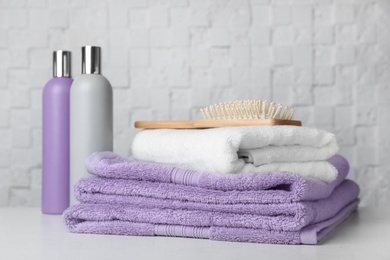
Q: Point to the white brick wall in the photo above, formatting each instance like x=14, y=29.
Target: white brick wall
x=166, y=59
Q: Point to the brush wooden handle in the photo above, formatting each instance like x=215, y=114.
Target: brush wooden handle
x=191, y=124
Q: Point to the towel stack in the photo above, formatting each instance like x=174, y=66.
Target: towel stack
x=286, y=185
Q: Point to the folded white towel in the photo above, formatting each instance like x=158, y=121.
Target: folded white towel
x=295, y=149
x=289, y=153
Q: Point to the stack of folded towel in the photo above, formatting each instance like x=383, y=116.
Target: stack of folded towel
x=287, y=186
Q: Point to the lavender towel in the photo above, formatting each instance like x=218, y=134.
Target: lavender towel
x=274, y=187
x=275, y=205
x=129, y=220
x=136, y=198
x=247, y=213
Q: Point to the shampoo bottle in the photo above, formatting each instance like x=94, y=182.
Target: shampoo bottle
x=91, y=115
x=55, y=136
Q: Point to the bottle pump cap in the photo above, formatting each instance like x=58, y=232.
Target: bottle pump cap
x=61, y=64
x=90, y=59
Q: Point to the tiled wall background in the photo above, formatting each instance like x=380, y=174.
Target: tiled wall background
x=168, y=58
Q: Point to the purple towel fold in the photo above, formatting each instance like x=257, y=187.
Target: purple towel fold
x=138, y=198
x=269, y=208
x=274, y=187
x=221, y=207
x=130, y=220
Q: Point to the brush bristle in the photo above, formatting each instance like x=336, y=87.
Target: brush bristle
x=247, y=109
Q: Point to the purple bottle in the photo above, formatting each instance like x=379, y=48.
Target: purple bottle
x=55, y=136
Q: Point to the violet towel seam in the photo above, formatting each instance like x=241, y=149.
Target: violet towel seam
x=184, y=176
x=181, y=231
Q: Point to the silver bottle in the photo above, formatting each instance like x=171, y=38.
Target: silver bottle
x=91, y=115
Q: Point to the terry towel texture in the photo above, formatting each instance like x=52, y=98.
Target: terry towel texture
x=117, y=219
x=270, y=187
x=300, y=150
x=138, y=198
x=233, y=213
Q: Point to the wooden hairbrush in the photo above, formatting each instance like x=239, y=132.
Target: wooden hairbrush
x=234, y=113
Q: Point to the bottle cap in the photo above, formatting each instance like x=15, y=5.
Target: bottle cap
x=62, y=63
x=90, y=59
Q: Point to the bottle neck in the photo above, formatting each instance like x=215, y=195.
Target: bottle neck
x=90, y=60
x=62, y=64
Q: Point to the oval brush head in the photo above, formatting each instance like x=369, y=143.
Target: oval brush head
x=247, y=109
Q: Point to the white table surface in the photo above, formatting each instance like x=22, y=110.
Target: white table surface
x=25, y=233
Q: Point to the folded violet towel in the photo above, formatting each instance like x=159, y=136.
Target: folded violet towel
x=241, y=149
x=282, y=205
x=271, y=187
x=116, y=219
x=234, y=210
x=138, y=198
